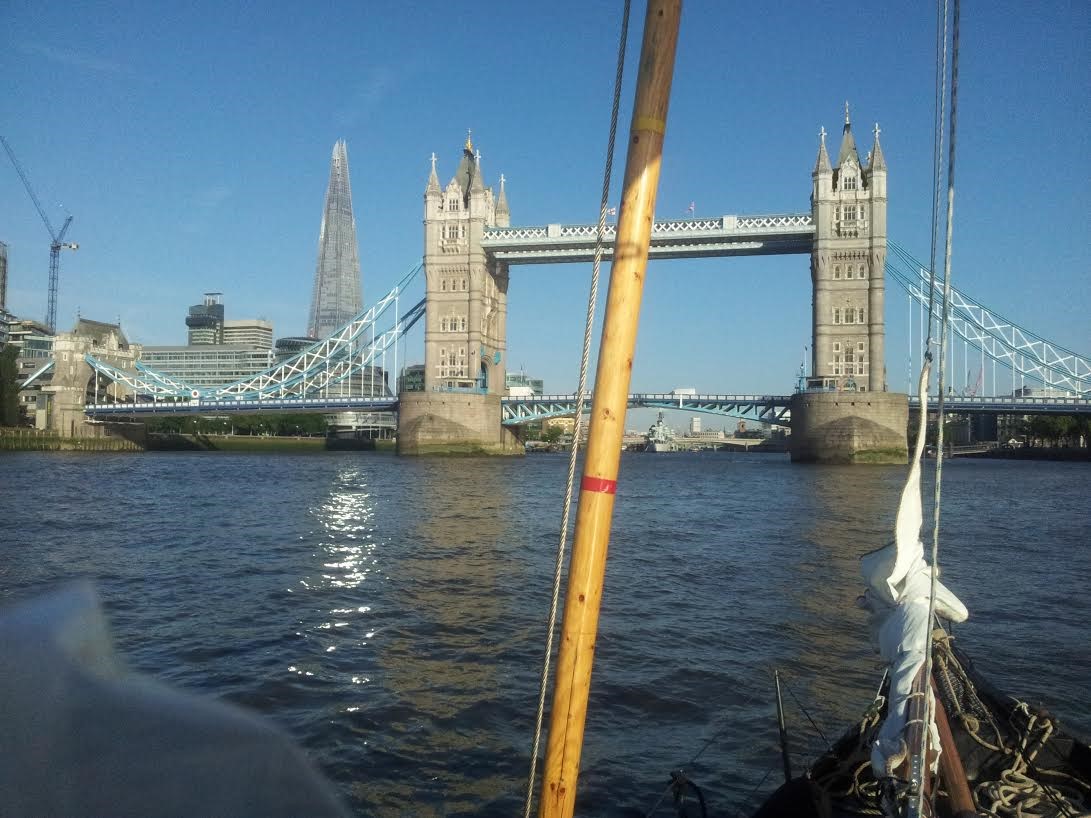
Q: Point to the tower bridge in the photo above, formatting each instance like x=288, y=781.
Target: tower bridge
x=470, y=245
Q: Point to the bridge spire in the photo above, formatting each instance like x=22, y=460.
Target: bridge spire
x=503, y=214
x=848, y=143
x=877, y=160
x=476, y=185
x=433, y=178
x=822, y=165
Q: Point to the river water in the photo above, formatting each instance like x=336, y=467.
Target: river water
x=390, y=613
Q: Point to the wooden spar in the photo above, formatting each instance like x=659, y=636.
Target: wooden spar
x=915, y=768
x=587, y=565
x=950, y=764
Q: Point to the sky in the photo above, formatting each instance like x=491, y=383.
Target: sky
x=191, y=143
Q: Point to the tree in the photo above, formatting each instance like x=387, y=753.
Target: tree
x=552, y=434
x=9, y=386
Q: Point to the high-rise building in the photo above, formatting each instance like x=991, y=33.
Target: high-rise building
x=206, y=321
x=3, y=276
x=337, y=297
x=255, y=332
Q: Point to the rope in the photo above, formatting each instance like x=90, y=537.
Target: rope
x=922, y=749
x=817, y=729
x=592, y=298
x=708, y=743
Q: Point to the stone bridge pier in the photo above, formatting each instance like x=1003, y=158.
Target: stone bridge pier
x=73, y=382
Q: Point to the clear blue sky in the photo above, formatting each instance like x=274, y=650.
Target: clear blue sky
x=191, y=141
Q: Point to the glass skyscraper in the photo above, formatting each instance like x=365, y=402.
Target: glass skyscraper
x=337, y=297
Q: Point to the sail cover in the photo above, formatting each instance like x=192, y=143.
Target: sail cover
x=898, y=588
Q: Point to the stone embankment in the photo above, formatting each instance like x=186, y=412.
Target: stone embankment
x=33, y=440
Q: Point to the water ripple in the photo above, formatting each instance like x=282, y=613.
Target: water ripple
x=390, y=612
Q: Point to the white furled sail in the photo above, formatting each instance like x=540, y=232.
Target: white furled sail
x=899, y=586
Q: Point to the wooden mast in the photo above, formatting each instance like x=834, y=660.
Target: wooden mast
x=615, y=363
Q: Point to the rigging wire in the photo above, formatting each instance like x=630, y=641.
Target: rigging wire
x=922, y=750
x=937, y=160
x=580, y=400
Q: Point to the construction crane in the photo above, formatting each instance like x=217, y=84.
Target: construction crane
x=58, y=242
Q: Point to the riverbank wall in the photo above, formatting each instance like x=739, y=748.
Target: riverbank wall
x=34, y=440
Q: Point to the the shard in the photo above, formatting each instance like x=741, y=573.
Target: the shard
x=336, y=298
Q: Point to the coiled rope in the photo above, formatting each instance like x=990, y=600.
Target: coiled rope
x=592, y=298
x=1011, y=784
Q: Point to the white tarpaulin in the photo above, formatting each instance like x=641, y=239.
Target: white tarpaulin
x=80, y=736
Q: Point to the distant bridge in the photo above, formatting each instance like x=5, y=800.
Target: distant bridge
x=517, y=411
x=775, y=408
x=766, y=408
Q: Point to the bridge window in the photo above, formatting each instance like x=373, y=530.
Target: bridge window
x=443, y=285
x=452, y=203
x=850, y=315
x=463, y=285
x=860, y=271
x=849, y=213
x=860, y=315
x=849, y=183
x=837, y=315
x=443, y=325
x=860, y=346
x=462, y=323
x=836, y=346
x=837, y=271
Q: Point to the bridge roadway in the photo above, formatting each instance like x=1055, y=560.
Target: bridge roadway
x=682, y=238
x=516, y=411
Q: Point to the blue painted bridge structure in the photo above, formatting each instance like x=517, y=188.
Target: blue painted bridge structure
x=517, y=411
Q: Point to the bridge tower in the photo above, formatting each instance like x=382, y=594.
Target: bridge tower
x=848, y=204
x=465, y=321
x=846, y=415
x=465, y=329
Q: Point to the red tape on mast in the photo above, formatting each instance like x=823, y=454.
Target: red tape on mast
x=598, y=484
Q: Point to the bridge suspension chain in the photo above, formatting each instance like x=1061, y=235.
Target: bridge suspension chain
x=325, y=363
x=1023, y=351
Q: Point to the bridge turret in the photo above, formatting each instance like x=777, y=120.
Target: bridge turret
x=876, y=187
x=848, y=205
x=464, y=340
